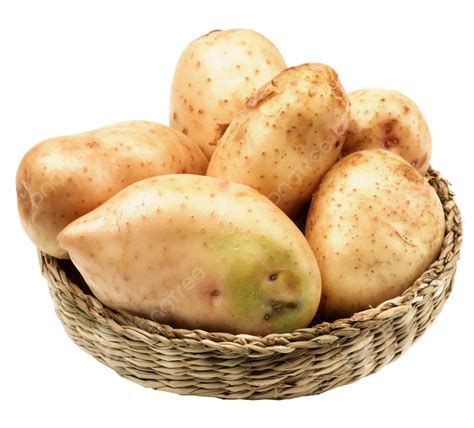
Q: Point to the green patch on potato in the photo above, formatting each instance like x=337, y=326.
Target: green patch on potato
x=262, y=277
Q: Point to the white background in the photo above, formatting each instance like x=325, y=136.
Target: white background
x=66, y=67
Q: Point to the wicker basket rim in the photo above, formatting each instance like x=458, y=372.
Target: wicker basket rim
x=321, y=333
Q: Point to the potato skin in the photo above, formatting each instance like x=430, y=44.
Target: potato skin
x=214, y=76
x=63, y=178
x=197, y=252
x=382, y=118
x=375, y=225
x=287, y=136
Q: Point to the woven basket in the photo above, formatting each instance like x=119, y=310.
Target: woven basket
x=306, y=361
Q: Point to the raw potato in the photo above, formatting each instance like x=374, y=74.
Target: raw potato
x=63, y=178
x=375, y=225
x=214, y=77
x=287, y=136
x=197, y=252
x=382, y=118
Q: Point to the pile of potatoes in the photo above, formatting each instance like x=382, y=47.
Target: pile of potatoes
x=193, y=225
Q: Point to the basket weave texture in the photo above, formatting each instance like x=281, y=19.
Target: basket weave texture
x=307, y=361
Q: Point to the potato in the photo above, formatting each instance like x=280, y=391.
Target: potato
x=381, y=118
x=197, y=252
x=375, y=225
x=287, y=136
x=214, y=77
x=63, y=178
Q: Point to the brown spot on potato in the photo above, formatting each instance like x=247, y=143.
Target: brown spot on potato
x=333, y=82
x=389, y=125
x=389, y=143
x=220, y=130
x=408, y=172
x=280, y=307
x=389, y=139
x=262, y=95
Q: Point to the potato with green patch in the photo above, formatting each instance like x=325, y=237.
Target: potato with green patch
x=63, y=178
x=214, y=76
x=375, y=225
x=382, y=118
x=287, y=136
x=197, y=252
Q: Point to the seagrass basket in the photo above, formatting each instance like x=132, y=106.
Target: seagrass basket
x=307, y=361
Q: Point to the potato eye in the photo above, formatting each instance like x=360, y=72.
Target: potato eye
x=273, y=276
